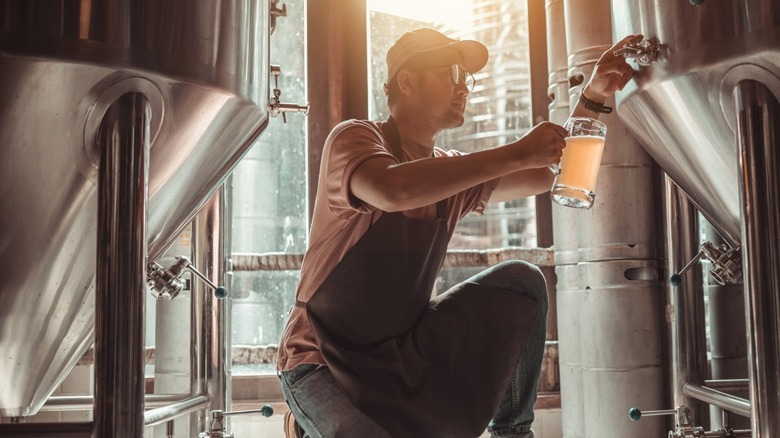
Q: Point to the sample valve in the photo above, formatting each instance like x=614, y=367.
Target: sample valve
x=726, y=264
x=276, y=105
x=168, y=283
x=217, y=429
x=644, y=52
x=684, y=429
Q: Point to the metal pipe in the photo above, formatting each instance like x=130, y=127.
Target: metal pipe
x=728, y=384
x=758, y=118
x=722, y=400
x=727, y=335
x=209, y=256
x=123, y=140
x=728, y=332
x=173, y=350
x=199, y=351
x=86, y=402
x=157, y=416
x=688, y=337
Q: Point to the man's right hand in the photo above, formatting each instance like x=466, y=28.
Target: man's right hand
x=542, y=146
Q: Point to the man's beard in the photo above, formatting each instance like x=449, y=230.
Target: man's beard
x=451, y=119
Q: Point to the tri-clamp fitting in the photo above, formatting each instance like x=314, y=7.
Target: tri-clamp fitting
x=644, y=52
x=726, y=264
x=168, y=283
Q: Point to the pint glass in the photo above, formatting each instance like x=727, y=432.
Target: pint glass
x=575, y=182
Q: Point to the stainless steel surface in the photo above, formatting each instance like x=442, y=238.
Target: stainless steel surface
x=569, y=301
x=204, y=68
x=588, y=35
x=686, y=301
x=758, y=117
x=209, y=247
x=121, y=267
x=680, y=107
x=728, y=385
x=721, y=399
x=621, y=224
x=86, y=402
x=728, y=339
x=622, y=358
x=564, y=218
x=567, y=296
x=625, y=183
x=199, y=354
x=173, y=345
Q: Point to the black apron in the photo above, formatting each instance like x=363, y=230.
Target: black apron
x=419, y=368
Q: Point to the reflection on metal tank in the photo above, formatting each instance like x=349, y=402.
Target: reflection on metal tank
x=680, y=107
x=203, y=67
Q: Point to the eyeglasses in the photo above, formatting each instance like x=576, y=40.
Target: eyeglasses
x=458, y=75
x=461, y=76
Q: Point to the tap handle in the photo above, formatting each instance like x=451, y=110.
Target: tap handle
x=635, y=414
x=265, y=411
x=676, y=279
x=219, y=291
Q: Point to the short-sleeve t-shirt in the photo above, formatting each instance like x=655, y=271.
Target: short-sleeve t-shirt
x=340, y=220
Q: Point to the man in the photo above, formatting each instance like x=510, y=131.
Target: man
x=366, y=353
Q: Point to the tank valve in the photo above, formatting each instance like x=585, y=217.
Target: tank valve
x=644, y=52
x=683, y=427
x=217, y=429
x=168, y=284
x=726, y=264
x=276, y=105
x=635, y=414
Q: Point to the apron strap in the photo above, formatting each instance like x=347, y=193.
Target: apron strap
x=390, y=131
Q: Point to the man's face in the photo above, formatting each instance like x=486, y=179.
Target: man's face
x=442, y=97
x=441, y=89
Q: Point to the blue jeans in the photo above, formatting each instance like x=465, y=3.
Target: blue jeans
x=323, y=410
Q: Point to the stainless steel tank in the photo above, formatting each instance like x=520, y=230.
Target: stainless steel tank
x=204, y=68
x=619, y=303
x=680, y=107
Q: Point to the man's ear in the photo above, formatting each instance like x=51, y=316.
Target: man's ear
x=405, y=80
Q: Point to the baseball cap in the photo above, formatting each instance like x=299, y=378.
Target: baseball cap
x=473, y=53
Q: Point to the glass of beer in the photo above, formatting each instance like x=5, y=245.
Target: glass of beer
x=575, y=182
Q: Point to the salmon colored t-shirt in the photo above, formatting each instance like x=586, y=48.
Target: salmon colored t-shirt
x=340, y=220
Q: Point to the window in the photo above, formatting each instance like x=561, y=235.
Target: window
x=269, y=207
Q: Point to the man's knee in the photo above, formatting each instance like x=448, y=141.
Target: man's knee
x=528, y=277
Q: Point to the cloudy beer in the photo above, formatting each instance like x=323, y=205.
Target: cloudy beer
x=575, y=184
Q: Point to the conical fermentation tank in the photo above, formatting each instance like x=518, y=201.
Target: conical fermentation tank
x=204, y=68
x=680, y=107
x=707, y=110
